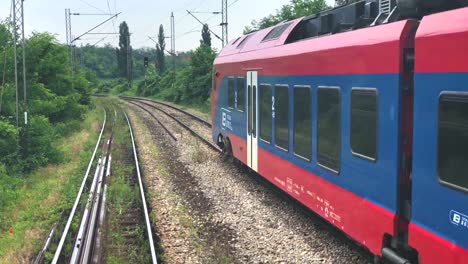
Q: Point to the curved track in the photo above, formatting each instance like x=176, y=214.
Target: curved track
x=204, y=122
x=142, y=103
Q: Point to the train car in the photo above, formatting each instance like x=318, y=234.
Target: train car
x=323, y=107
x=439, y=222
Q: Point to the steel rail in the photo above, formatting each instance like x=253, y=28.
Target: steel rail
x=87, y=250
x=75, y=205
x=157, y=120
x=204, y=122
x=98, y=246
x=40, y=256
x=195, y=134
x=142, y=192
x=80, y=238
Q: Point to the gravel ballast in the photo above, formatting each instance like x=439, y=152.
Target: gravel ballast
x=240, y=220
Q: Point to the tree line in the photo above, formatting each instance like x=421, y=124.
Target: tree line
x=183, y=77
x=293, y=10
x=57, y=101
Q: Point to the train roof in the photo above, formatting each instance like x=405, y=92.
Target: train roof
x=358, y=15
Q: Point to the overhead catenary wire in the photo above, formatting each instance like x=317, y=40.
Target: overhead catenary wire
x=93, y=6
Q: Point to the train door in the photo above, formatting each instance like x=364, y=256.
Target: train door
x=252, y=120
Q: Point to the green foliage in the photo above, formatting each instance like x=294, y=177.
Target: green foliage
x=296, y=9
x=192, y=83
x=8, y=141
x=101, y=61
x=206, y=35
x=160, y=48
x=344, y=2
x=123, y=51
x=56, y=99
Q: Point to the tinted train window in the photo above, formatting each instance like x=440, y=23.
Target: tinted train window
x=231, y=93
x=364, y=123
x=302, y=122
x=265, y=112
x=453, y=140
x=241, y=94
x=329, y=125
x=282, y=117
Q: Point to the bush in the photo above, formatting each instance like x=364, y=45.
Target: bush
x=8, y=141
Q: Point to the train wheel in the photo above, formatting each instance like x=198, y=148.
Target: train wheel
x=378, y=260
x=227, y=150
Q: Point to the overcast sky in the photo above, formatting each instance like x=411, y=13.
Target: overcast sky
x=143, y=18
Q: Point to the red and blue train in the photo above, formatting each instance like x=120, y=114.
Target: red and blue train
x=361, y=114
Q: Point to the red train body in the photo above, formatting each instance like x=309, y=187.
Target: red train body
x=285, y=104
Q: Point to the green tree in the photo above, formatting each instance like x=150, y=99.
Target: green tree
x=160, y=48
x=344, y=2
x=124, y=52
x=206, y=35
x=56, y=106
x=197, y=89
x=296, y=9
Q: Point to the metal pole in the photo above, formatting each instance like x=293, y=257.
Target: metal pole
x=69, y=33
x=129, y=62
x=224, y=23
x=173, y=49
x=25, y=97
x=199, y=21
x=15, y=37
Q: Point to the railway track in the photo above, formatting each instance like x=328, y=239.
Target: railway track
x=198, y=119
x=89, y=241
x=144, y=104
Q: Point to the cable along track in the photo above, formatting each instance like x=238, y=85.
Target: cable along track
x=89, y=242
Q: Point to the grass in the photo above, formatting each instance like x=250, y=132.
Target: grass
x=35, y=202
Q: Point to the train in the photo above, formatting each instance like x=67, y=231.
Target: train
x=360, y=113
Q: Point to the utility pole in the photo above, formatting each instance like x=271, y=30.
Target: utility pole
x=71, y=38
x=224, y=22
x=129, y=63
x=199, y=21
x=18, y=36
x=69, y=33
x=173, y=49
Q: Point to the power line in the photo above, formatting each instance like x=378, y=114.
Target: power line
x=97, y=8
x=202, y=23
x=235, y=1
x=96, y=27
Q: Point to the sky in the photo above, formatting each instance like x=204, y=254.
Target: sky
x=143, y=18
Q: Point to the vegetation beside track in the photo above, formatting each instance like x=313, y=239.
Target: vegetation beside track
x=34, y=202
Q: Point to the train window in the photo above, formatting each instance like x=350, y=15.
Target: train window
x=302, y=122
x=243, y=42
x=241, y=94
x=329, y=126
x=276, y=32
x=364, y=123
x=250, y=108
x=282, y=116
x=265, y=112
x=453, y=140
x=231, y=93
